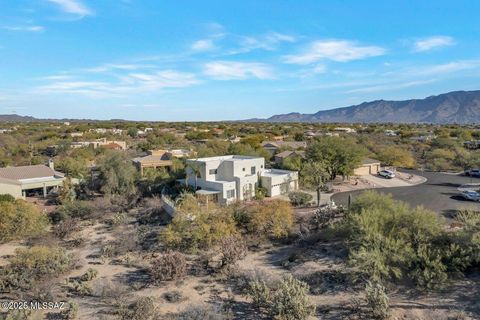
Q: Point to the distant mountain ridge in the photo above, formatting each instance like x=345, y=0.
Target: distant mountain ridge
x=462, y=107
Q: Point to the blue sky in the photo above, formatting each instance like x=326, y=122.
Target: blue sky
x=224, y=60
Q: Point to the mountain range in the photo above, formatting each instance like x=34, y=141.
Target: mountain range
x=462, y=107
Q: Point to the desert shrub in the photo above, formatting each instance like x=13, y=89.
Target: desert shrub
x=72, y=209
x=65, y=228
x=377, y=300
x=260, y=293
x=260, y=193
x=18, y=315
x=89, y=275
x=119, y=218
x=290, y=300
x=271, y=218
x=108, y=291
x=32, y=265
x=169, y=266
x=7, y=198
x=387, y=239
x=323, y=217
x=202, y=312
x=441, y=160
x=396, y=156
x=142, y=308
x=232, y=249
x=287, y=301
x=299, y=198
x=20, y=219
x=81, y=288
x=196, y=226
x=470, y=218
x=71, y=312
x=173, y=296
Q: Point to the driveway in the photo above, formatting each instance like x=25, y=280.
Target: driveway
x=439, y=193
x=379, y=182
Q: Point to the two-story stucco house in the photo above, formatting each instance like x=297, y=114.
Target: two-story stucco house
x=230, y=178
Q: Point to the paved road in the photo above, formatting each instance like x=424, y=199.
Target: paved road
x=439, y=193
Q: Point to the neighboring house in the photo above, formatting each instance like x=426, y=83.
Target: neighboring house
x=473, y=144
x=76, y=134
x=234, y=139
x=368, y=166
x=180, y=153
x=154, y=159
x=280, y=157
x=110, y=144
x=230, y=178
x=423, y=138
x=274, y=146
x=99, y=130
x=345, y=130
x=390, y=133
x=20, y=181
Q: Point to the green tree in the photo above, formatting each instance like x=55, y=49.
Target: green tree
x=271, y=218
x=396, y=156
x=388, y=239
x=314, y=174
x=197, y=226
x=294, y=163
x=339, y=156
x=117, y=174
x=29, y=266
x=20, y=219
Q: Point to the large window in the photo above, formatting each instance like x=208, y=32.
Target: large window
x=212, y=171
x=230, y=194
x=253, y=170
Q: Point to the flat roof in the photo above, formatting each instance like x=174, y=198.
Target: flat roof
x=206, y=192
x=225, y=158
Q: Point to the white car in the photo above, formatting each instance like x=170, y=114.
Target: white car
x=471, y=195
x=386, y=174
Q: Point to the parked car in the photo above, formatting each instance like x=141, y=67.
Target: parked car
x=387, y=174
x=470, y=195
x=472, y=172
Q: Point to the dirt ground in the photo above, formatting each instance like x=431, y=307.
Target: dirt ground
x=318, y=263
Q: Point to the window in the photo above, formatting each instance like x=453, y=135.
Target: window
x=243, y=169
x=261, y=166
x=212, y=171
x=253, y=170
x=230, y=194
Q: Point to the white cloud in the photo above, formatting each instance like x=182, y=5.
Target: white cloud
x=126, y=84
x=320, y=68
x=231, y=70
x=203, y=45
x=269, y=42
x=430, y=43
x=161, y=79
x=336, y=50
x=450, y=67
x=74, y=7
x=391, y=86
x=24, y=28
x=113, y=66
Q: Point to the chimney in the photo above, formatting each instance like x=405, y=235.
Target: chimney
x=50, y=164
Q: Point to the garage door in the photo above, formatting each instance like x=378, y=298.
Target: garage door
x=362, y=171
